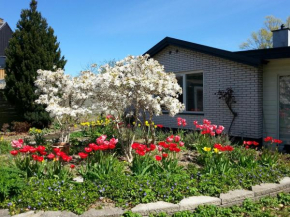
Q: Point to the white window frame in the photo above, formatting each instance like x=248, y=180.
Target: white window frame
x=184, y=89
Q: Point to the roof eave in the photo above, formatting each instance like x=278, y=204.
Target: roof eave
x=203, y=49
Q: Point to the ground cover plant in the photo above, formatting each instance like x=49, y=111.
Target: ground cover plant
x=122, y=156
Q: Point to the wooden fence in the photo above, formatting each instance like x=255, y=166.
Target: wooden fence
x=2, y=74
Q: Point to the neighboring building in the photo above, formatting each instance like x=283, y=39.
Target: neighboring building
x=260, y=80
x=7, y=111
x=5, y=35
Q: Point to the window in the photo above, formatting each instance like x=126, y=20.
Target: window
x=192, y=88
x=2, y=62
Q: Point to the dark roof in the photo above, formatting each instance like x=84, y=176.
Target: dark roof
x=234, y=56
x=266, y=54
x=5, y=35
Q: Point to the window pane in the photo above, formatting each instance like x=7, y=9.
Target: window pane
x=194, y=92
x=284, y=109
x=180, y=82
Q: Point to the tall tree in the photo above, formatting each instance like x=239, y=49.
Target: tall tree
x=33, y=46
x=263, y=38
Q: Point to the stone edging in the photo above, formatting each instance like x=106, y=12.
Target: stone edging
x=235, y=197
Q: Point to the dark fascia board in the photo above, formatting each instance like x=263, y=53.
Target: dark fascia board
x=280, y=29
x=203, y=49
x=266, y=54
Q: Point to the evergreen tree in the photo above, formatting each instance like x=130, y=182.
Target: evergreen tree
x=33, y=46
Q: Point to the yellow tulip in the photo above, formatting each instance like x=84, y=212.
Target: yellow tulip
x=216, y=150
x=207, y=149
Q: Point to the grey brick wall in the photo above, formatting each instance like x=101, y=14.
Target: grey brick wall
x=219, y=73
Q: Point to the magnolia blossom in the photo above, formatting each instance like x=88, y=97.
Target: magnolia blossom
x=140, y=83
x=66, y=98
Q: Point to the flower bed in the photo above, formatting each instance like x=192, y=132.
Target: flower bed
x=155, y=174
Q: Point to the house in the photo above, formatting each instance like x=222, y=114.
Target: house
x=7, y=111
x=260, y=80
x=5, y=35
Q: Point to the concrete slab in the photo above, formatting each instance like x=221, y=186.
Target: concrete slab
x=107, y=212
x=236, y=195
x=67, y=214
x=285, y=182
x=29, y=214
x=160, y=206
x=4, y=213
x=193, y=202
x=266, y=189
x=51, y=214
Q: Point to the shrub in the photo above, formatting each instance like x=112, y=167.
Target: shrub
x=5, y=128
x=20, y=127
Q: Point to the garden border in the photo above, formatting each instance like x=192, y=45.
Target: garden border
x=234, y=197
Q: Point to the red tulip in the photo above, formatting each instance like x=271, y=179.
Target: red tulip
x=177, y=150
x=83, y=155
x=40, y=159
x=152, y=147
x=34, y=157
x=268, y=139
x=50, y=156
x=165, y=155
x=255, y=143
x=42, y=152
x=72, y=166
x=32, y=150
x=88, y=149
x=14, y=152
x=40, y=148
x=158, y=158
x=56, y=150
x=277, y=141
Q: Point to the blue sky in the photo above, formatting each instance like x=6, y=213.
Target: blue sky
x=94, y=31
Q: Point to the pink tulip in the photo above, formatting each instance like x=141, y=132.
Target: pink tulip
x=113, y=141
x=177, y=138
x=221, y=127
x=218, y=131
x=17, y=143
x=100, y=141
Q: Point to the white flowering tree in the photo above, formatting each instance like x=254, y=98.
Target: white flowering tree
x=140, y=87
x=67, y=99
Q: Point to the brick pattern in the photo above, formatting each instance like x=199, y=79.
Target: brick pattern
x=219, y=74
